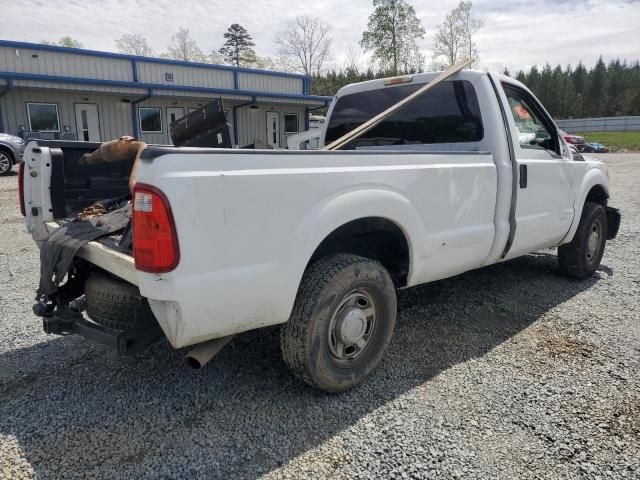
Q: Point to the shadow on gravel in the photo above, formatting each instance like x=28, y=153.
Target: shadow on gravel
x=77, y=410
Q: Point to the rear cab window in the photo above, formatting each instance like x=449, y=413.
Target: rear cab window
x=447, y=113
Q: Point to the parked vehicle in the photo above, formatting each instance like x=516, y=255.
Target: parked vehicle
x=226, y=241
x=584, y=147
x=598, y=148
x=310, y=139
x=11, y=149
x=578, y=141
x=569, y=138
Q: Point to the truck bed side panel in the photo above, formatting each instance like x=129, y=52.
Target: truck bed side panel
x=249, y=222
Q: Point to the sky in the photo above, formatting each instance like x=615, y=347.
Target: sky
x=517, y=34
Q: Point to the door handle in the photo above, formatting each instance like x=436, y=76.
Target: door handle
x=523, y=176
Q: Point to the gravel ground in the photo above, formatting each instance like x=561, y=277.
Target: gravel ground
x=507, y=372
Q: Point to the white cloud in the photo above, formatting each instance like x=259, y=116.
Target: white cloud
x=516, y=34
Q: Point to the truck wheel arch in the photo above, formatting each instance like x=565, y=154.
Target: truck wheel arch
x=329, y=218
x=593, y=189
x=377, y=238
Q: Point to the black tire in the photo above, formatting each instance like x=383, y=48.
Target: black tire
x=306, y=340
x=579, y=259
x=114, y=303
x=6, y=162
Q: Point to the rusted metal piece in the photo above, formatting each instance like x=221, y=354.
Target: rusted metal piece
x=92, y=211
x=118, y=150
x=121, y=149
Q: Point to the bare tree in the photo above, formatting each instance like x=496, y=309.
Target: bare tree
x=352, y=58
x=470, y=26
x=448, y=44
x=305, y=45
x=134, y=44
x=215, y=57
x=185, y=48
x=454, y=40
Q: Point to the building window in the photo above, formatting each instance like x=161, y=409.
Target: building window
x=150, y=120
x=291, y=123
x=43, y=117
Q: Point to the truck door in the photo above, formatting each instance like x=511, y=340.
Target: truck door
x=544, y=209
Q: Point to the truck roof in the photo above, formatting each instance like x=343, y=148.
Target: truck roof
x=416, y=78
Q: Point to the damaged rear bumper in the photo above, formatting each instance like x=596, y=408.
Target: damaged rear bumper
x=69, y=320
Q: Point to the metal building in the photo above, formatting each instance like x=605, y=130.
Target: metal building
x=76, y=94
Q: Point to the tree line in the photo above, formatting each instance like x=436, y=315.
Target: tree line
x=605, y=90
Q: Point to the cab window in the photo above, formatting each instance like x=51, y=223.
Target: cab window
x=535, y=131
x=448, y=113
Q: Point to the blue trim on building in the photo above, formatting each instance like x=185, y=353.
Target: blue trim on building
x=122, y=56
x=236, y=81
x=157, y=86
x=134, y=70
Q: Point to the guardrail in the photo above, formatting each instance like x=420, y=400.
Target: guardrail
x=601, y=124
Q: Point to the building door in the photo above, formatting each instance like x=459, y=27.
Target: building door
x=273, y=129
x=173, y=114
x=88, y=122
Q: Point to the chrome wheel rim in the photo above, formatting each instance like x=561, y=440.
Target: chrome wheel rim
x=593, y=242
x=5, y=163
x=352, y=326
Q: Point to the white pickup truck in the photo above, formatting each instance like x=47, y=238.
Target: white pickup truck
x=471, y=173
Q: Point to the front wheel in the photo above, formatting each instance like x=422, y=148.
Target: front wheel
x=341, y=323
x=581, y=257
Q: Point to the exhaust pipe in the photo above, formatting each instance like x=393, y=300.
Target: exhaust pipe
x=200, y=355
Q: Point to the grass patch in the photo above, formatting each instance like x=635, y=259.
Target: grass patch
x=615, y=141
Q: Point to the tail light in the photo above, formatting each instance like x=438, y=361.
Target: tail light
x=23, y=210
x=155, y=241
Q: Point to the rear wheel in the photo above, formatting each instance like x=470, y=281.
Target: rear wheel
x=581, y=258
x=341, y=323
x=5, y=163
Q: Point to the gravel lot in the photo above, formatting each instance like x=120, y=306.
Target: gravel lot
x=507, y=372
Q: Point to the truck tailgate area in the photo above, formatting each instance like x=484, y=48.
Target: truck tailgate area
x=113, y=261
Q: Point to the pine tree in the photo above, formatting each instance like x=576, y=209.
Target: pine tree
x=237, y=49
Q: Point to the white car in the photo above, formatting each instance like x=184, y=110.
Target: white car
x=226, y=241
